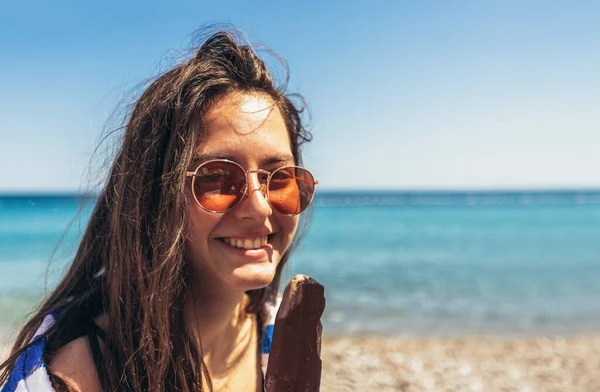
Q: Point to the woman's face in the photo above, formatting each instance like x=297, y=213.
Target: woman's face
x=247, y=129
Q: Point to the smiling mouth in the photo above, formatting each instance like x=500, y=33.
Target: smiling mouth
x=247, y=243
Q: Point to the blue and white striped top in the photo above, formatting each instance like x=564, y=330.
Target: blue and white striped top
x=30, y=374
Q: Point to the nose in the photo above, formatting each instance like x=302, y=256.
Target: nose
x=255, y=204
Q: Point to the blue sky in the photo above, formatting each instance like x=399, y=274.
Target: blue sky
x=403, y=95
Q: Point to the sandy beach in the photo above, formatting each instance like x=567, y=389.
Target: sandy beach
x=467, y=364
x=372, y=363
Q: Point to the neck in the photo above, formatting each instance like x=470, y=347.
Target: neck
x=214, y=316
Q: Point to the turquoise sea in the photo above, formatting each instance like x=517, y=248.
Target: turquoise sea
x=413, y=263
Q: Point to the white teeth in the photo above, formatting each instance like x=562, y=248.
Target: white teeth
x=247, y=243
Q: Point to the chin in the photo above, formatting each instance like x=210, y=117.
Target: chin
x=252, y=278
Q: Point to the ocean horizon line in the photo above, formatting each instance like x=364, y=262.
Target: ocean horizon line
x=380, y=197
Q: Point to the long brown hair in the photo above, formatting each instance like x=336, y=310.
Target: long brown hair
x=130, y=262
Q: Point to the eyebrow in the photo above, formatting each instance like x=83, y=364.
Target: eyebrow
x=270, y=160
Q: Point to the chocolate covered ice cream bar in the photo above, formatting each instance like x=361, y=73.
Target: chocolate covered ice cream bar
x=295, y=359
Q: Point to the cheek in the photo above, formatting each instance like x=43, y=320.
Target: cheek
x=199, y=226
x=290, y=227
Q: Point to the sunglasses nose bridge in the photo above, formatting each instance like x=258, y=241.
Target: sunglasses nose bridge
x=261, y=181
x=253, y=183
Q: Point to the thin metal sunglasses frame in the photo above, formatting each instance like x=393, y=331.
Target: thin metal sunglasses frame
x=269, y=174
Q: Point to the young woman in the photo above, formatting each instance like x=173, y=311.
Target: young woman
x=173, y=286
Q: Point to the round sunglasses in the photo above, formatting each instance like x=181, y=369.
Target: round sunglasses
x=219, y=185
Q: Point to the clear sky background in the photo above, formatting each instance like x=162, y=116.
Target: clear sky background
x=403, y=94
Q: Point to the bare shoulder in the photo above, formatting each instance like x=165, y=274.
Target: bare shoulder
x=74, y=364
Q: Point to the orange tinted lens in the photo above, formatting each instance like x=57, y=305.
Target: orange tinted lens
x=291, y=190
x=218, y=186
